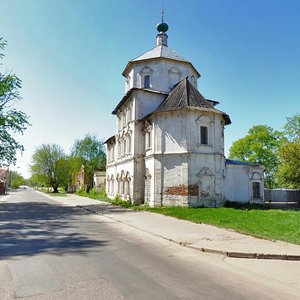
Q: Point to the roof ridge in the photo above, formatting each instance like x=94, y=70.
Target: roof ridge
x=187, y=91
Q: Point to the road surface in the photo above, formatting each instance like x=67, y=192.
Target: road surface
x=50, y=251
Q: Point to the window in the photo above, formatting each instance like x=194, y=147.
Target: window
x=129, y=144
x=204, y=135
x=256, y=190
x=148, y=142
x=119, y=149
x=147, y=81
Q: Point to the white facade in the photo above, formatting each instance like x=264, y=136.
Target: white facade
x=169, y=144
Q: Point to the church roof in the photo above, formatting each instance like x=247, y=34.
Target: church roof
x=130, y=92
x=240, y=163
x=160, y=51
x=185, y=96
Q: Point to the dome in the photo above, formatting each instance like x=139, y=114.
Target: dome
x=162, y=27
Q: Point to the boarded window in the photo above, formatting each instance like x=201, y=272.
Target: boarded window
x=256, y=190
x=147, y=81
x=204, y=135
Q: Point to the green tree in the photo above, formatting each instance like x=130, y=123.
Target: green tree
x=12, y=121
x=52, y=166
x=289, y=168
x=89, y=152
x=36, y=180
x=15, y=179
x=292, y=128
x=261, y=146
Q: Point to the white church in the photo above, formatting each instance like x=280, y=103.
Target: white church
x=168, y=149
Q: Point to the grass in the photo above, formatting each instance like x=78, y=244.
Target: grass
x=96, y=196
x=59, y=194
x=283, y=225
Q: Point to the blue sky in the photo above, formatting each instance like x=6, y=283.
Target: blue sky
x=70, y=55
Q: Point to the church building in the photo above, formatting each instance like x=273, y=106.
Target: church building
x=168, y=149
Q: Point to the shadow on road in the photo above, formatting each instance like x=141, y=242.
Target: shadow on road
x=106, y=209
x=29, y=228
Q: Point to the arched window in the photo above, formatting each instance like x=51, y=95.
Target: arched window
x=147, y=81
x=146, y=77
x=204, y=125
x=203, y=135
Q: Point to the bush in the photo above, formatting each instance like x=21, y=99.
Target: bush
x=93, y=194
x=118, y=201
x=103, y=192
x=82, y=192
x=236, y=205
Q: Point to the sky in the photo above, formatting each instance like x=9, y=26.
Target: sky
x=70, y=55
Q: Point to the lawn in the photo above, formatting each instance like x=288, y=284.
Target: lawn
x=47, y=191
x=270, y=224
x=282, y=225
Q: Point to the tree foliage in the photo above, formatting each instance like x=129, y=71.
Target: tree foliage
x=50, y=165
x=16, y=180
x=89, y=152
x=289, y=169
x=12, y=121
x=261, y=145
x=292, y=128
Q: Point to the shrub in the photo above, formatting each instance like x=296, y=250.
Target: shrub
x=118, y=201
x=236, y=205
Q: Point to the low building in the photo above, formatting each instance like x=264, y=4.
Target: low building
x=4, y=180
x=99, y=180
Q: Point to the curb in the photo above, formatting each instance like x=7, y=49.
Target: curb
x=231, y=254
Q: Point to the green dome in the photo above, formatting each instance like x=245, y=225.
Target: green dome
x=162, y=27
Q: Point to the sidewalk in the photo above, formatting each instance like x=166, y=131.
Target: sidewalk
x=202, y=237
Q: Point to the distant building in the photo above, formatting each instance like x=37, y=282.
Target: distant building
x=4, y=180
x=99, y=180
x=82, y=180
x=169, y=143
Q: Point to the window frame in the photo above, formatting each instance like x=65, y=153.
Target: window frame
x=203, y=135
x=256, y=190
x=147, y=81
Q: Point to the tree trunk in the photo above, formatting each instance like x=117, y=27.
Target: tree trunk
x=55, y=189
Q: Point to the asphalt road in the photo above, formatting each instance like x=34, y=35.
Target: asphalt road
x=50, y=251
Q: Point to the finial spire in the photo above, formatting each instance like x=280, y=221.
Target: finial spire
x=162, y=28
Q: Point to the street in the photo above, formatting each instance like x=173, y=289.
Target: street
x=51, y=251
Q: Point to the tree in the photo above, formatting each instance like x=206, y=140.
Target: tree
x=261, y=146
x=52, y=166
x=11, y=120
x=15, y=179
x=289, y=155
x=289, y=168
x=292, y=128
x=89, y=152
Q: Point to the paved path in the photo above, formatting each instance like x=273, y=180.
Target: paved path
x=202, y=237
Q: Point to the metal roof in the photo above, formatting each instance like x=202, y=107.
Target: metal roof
x=160, y=51
x=239, y=162
x=185, y=96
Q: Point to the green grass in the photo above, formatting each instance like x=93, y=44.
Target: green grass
x=270, y=224
x=96, y=196
x=282, y=225
x=59, y=194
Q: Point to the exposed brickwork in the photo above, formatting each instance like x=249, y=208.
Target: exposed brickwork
x=182, y=190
